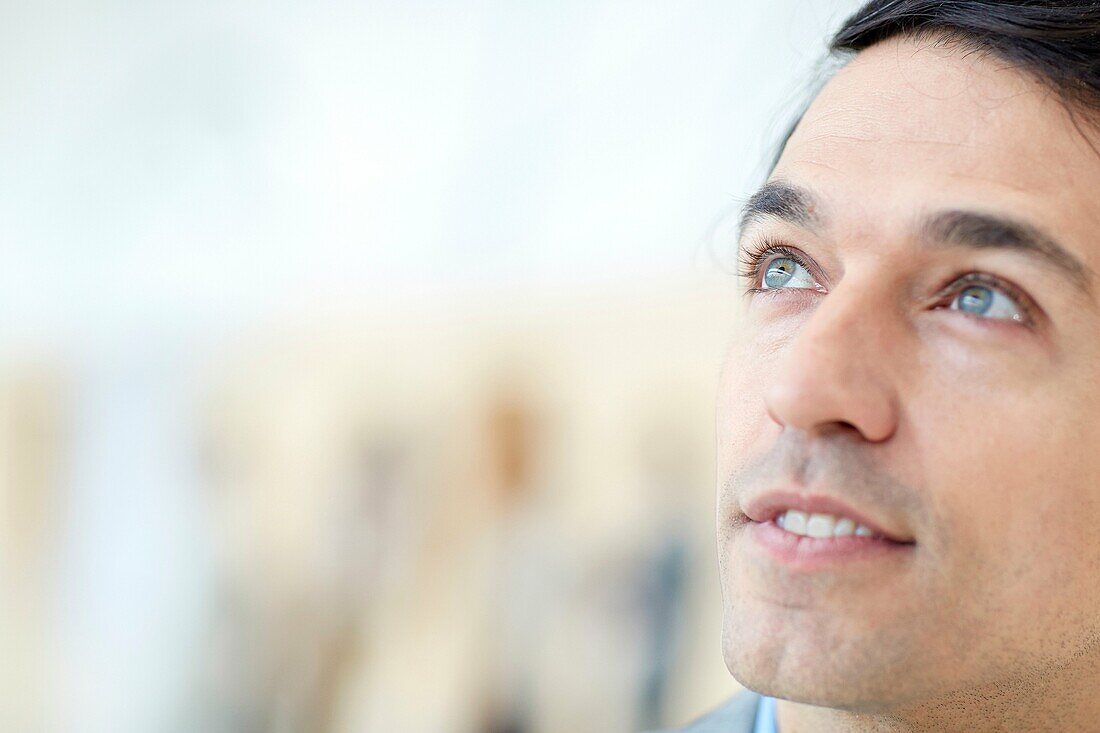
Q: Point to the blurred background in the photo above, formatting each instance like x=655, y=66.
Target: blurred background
x=357, y=360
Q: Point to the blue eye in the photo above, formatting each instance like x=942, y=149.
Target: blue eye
x=988, y=302
x=785, y=272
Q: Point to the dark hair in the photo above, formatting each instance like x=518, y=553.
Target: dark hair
x=1057, y=41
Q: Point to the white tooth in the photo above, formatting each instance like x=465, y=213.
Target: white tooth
x=820, y=525
x=844, y=527
x=781, y=519
x=862, y=531
x=795, y=521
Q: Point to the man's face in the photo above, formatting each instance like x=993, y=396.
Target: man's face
x=924, y=347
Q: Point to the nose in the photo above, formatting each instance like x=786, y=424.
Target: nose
x=835, y=372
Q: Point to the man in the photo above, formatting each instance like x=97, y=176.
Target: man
x=909, y=421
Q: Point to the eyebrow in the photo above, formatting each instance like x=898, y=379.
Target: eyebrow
x=980, y=230
x=782, y=200
x=791, y=203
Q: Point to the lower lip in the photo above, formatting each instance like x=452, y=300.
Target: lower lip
x=814, y=553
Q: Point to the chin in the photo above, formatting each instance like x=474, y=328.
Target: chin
x=811, y=667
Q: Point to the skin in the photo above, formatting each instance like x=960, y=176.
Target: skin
x=976, y=436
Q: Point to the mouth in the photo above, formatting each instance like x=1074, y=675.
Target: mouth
x=804, y=552
x=817, y=532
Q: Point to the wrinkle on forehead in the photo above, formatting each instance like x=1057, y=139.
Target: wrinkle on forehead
x=913, y=125
x=921, y=78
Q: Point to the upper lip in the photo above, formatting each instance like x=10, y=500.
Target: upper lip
x=768, y=505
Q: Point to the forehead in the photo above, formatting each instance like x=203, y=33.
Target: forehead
x=911, y=125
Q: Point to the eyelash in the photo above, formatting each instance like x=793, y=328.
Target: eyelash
x=752, y=260
x=1017, y=296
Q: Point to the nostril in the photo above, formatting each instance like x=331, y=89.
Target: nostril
x=842, y=427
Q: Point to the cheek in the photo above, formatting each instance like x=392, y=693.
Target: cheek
x=743, y=425
x=1011, y=478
